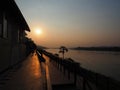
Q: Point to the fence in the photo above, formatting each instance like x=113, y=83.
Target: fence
x=90, y=80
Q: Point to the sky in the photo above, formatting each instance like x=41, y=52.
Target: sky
x=73, y=23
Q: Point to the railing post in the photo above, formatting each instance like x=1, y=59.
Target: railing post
x=96, y=79
x=75, y=73
x=68, y=74
x=75, y=78
x=60, y=65
x=64, y=68
x=107, y=83
x=84, y=83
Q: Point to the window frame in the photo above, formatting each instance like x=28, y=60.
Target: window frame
x=1, y=23
x=5, y=26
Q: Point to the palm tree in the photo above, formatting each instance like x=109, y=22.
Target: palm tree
x=63, y=49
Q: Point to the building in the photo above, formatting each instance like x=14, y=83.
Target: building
x=12, y=34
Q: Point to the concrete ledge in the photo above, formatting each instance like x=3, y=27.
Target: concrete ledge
x=49, y=86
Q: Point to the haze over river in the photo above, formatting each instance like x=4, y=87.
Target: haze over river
x=106, y=63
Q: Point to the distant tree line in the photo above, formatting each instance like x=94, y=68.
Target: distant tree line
x=41, y=47
x=117, y=49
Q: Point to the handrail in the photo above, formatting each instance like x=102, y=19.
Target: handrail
x=48, y=81
x=99, y=80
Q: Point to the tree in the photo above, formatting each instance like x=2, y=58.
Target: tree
x=63, y=49
x=30, y=45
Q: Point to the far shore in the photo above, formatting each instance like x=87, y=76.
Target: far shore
x=112, y=49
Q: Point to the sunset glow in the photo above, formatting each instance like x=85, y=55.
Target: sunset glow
x=73, y=23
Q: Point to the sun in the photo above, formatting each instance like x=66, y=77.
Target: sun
x=38, y=31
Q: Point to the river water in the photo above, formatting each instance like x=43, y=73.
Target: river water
x=106, y=63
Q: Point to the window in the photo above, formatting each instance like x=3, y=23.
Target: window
x=18, y=36
x=1, y=22
x=5, y=27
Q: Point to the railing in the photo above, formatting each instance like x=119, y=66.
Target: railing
x=89, y=80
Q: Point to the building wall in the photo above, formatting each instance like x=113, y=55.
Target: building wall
x=5, y=51
x=11, y=49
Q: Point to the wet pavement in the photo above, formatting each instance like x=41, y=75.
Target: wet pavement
x=26, y=76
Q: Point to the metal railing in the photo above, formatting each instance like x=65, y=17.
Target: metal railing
x=90, y=80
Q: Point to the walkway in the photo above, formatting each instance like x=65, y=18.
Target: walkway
x=58, y=80
x=27, y=76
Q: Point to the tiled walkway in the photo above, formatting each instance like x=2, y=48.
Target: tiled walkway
x=28, y=77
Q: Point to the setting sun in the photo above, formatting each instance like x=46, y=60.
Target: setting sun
x=38, y=31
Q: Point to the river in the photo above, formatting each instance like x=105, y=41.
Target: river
x=106, y=63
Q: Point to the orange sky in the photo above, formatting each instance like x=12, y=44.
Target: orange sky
x=73, y=22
